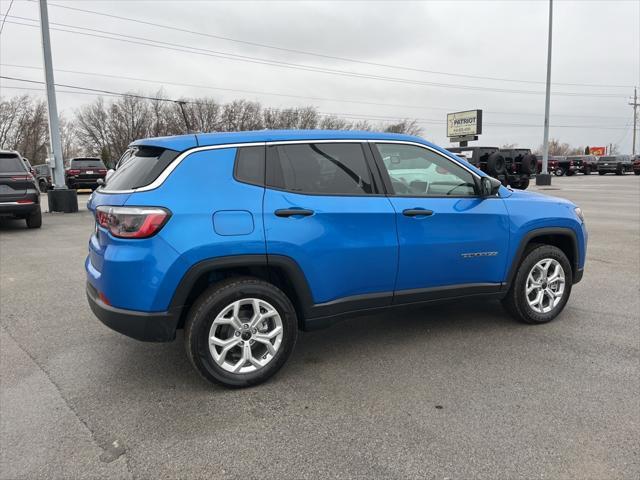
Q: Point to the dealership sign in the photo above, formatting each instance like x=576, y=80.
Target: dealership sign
x=464, y=124
x=598, y=151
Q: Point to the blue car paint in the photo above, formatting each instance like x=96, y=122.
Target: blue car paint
x=434, y=249
x=350, y=246
x=347, y=247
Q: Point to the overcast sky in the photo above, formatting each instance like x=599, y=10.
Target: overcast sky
x=595, y=43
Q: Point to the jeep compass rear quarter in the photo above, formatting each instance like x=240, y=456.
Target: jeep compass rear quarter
x=244, y=238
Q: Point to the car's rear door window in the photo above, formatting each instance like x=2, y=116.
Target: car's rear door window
x=319, y=168
x=141, y=168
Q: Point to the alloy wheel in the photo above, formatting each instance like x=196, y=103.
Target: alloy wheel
x=545, y=285
x=246, y=335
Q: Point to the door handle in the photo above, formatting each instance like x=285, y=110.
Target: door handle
x=417, y=212
x=290, y=212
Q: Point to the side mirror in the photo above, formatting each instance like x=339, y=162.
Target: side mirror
x=110, y=172
x=489, y=186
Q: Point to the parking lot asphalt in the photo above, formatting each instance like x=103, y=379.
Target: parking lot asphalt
x=449, y=391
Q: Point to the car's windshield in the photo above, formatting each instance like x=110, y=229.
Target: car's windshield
x=607, y=159
x=11, y=163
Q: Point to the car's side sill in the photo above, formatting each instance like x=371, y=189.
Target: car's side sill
x=325, y=314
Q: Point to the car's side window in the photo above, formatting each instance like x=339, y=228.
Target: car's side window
x=416, y=171
x=249, y=166
x=319, y=168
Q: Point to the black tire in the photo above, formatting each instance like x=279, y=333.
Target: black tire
x=587, y=170
x=602, y=173
x=515, y=301
x=619, y=172
x=211, y=303
x=570, y=173
x=34, y=219
x=496, y=165
x=529, y=164
x=636, y=172
x=558, y=172
x=523, y=184
x=43, y=186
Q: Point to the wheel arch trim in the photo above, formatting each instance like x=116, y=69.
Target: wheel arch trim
x=541, y=232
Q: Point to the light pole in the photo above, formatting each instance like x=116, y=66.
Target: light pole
x=61, y=199
x=544, y=178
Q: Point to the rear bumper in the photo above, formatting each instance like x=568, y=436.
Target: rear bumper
x=13, y=208
x=144, y=326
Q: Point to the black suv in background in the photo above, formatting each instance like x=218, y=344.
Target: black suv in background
x=19, y=195
x=84, y=172
x=513, y=167
x=618, y=164
x=43, y=176
x=636, y=164
x=584, y=163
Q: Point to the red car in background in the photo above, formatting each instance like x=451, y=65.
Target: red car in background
x=551, y=166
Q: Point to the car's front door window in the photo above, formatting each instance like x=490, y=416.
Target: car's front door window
x=416, y=171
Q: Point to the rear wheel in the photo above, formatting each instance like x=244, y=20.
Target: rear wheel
x=529, y=164
x=240, y=332
x=34, y=219
x=522, y=184
x=496, y=165
x=558, y=172
x=541, y=286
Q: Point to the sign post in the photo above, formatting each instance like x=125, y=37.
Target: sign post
x=464, y=126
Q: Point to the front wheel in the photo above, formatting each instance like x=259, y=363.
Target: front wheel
x=240, y=332
x=558, y=172
x=542, y=285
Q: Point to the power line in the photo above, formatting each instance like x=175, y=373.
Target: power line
x=294, y=66
x=255, y=92
x=5, y=16
x=322, y=55
x=344, y=115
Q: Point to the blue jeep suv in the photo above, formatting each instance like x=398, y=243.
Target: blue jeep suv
x=243, y=238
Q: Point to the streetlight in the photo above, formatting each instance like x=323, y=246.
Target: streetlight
x=544, y=178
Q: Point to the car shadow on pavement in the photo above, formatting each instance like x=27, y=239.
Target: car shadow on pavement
x=401, y=332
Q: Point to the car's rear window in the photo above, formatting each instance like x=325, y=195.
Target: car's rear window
x=87, y=163
x=11, y=163
x=141, y=167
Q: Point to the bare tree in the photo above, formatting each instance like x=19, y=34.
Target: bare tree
x=409, y=127
x=241, y=115
x=24, y=127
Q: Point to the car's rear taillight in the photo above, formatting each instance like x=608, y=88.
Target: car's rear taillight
x=73, y=171
x=132, y=222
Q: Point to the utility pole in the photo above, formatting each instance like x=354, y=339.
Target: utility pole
x=60, y=198
x=544, y=178
x=184, y=115
x=635, y=106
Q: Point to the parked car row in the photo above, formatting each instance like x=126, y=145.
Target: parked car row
x=587, y=164
x=80, y=172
